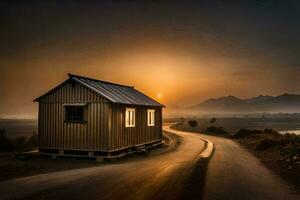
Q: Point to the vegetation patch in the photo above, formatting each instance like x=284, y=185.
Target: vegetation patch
x=265, y=144
x=281, y=153
x=193, y=123
x=18, y=144
x=194, y=126
x=216, y=130
x=244, y=133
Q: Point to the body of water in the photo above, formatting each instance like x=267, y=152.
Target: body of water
x=297, y=132
x=232, y=125
x=25, y=128
x=18, y=128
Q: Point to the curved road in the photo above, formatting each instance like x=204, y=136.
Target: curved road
x=232, y=173
x=154, y=177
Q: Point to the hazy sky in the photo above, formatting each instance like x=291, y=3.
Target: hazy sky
x=185, y=51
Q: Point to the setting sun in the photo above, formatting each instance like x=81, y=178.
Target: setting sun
x=150, y=99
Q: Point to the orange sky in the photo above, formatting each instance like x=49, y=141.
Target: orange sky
x=180, y=76
x=204, y=51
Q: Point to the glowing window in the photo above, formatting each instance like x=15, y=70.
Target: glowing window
x=129, y=117
x=151, y=117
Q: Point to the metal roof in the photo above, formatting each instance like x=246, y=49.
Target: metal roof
x=115, y=93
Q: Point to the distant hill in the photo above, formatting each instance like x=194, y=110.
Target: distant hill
x=232, y=104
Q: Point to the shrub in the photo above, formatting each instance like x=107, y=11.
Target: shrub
x=5, y=143
x=216, y=130
x=271, y=131
x=18, y=144
x=212, y=120
x=182, y=120
x=242, y=133
x=193, y=123
x=265, y=144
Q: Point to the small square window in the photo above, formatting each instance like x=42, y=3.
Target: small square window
x=151, y=117
x=74, y=113
x=130, y=117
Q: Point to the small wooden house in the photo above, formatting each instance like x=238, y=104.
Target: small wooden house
x=94, y=117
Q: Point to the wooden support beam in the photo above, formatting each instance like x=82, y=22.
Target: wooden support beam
x=61, y=152
x=91, y=153
x=99, y=159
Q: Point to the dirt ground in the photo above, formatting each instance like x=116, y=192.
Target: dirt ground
x=12, y=167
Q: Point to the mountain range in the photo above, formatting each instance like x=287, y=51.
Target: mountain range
x=261, y=103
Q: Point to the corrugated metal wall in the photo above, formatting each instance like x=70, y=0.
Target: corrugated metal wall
x=54, y=133
x=122, y=137
x=105, y=127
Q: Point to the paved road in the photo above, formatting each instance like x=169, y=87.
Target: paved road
x=154, y=177
x=234, y=173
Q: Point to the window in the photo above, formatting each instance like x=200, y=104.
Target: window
x=74, y=113
x=151, y=117
x=129, y=117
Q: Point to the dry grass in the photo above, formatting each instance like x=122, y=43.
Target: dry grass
x=281, y=153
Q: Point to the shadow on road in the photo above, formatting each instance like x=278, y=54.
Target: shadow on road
x=194, y=186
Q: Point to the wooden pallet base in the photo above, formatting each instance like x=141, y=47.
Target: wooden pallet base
x=98, y=156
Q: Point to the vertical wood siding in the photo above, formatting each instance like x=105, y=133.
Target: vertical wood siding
x=54, y=133
x=122, y=137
